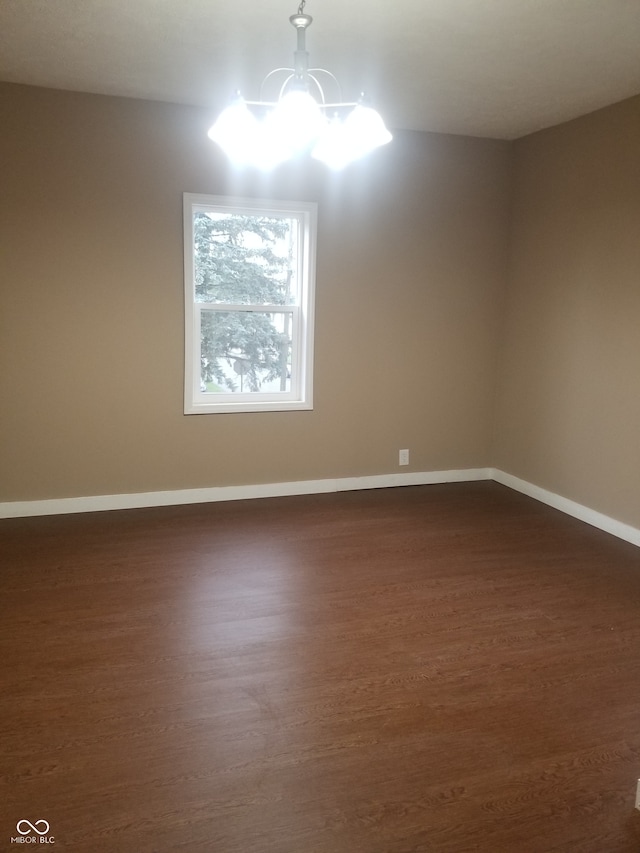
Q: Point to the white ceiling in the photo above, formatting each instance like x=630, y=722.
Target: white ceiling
x=498, y=68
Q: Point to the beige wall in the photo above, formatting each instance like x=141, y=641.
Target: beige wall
x=568, y=417
x=410, y=283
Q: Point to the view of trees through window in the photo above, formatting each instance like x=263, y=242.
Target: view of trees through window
x=246, y=283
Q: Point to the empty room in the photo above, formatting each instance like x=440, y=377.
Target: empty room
x=320, y=426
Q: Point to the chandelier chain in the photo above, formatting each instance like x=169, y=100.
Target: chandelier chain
x=301, y=7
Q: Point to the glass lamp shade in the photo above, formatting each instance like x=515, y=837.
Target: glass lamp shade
x=343, y=142
x=332, y=148
x=366, y=130
x=296, y=122
x=236, y=132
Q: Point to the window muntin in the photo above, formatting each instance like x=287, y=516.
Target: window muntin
x=249, y=283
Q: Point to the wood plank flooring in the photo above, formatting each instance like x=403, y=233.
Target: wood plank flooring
x=441, y=668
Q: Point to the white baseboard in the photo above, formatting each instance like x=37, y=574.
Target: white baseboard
x=97, y=503
x=583, y=513
x=101, y=503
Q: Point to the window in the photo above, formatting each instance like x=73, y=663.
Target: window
x=249, y=286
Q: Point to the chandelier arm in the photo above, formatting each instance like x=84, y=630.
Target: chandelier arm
x=313, y=71
x=333, y=105
x=319, y=87
x=311, y=75
x=290, y=71
x=285, y=84
x=338, y=105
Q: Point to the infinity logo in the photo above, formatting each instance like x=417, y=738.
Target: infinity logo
x=33, y=827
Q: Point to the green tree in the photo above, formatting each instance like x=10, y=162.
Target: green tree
x=243, y=260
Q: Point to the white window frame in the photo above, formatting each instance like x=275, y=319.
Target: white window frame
x=300, y=395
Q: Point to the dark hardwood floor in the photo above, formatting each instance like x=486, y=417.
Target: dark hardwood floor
x=441, y=668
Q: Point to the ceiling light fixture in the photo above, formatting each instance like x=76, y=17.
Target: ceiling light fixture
x=265, y=133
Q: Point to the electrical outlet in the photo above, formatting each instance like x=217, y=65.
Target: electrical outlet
x=403, y=457
x=638, y=796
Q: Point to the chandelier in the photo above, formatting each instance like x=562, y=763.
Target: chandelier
x=265, y=133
